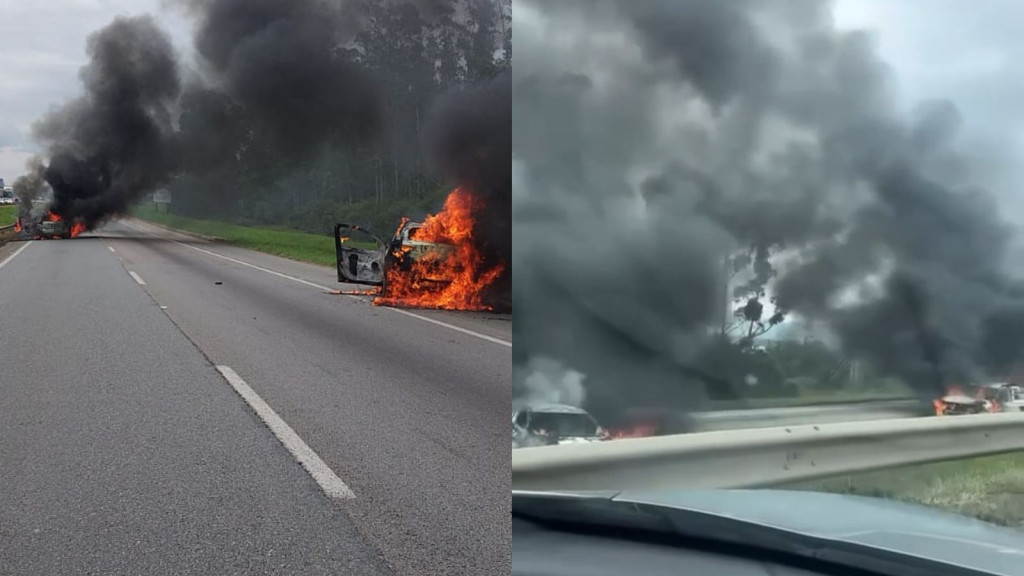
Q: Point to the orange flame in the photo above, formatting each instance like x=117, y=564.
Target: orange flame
x=76, y=229
x=941, y=405
x=454, y=281
x=634, y=431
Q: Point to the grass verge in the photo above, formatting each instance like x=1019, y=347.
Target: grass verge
x=301, y=246
x=989, y=488
x=8, y=214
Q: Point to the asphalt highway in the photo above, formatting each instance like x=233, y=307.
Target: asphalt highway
x=174, y=406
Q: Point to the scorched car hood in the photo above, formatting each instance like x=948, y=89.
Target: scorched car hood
x=888, y=524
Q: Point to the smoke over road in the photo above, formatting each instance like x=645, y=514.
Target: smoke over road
x=654, y=139
x=276, y=63
x=278, y=75
x=114, y=143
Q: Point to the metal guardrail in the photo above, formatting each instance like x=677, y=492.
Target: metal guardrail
x=763, y=457
x=5, y=233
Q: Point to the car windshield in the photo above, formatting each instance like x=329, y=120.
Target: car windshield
x=776, y=221
x=562, y=424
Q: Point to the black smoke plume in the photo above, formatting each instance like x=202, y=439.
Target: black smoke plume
x=655, y=139
x=284, y=64
x=468, y=138
x=277, y=67
x=116, y=142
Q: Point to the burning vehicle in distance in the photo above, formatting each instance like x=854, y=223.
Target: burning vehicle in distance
x=537, y=424
x=986, y=398
x=48, y=226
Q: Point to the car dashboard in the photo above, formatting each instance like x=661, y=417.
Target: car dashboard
x=538, y=551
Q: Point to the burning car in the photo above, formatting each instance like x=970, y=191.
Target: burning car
x=649, y=421
x=987, y=398
x=552, y=424
x=367, y=262
x=437, y=263
x=49, y=226
x=53, y=229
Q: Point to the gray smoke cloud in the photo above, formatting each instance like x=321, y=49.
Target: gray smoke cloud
x=30, y=186
x=654, y=139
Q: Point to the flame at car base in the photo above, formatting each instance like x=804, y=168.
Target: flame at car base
x=456, y=280
x=75, y=229
x=957, y=402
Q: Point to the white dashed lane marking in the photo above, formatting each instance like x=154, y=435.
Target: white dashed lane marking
x=328, y=481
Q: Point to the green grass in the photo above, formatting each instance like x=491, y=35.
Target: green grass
x=301, y=246
x=8, y=214
x=989, y=488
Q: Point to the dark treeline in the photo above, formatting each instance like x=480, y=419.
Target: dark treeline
x=415, y=55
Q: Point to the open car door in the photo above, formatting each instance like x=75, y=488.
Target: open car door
x=360, y=255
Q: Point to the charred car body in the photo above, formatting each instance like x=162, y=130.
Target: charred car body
x=45, y=228
x=53, y=229
x=368, y=261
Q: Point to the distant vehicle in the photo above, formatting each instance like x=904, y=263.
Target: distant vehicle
x=367, y=262
x=551, y=424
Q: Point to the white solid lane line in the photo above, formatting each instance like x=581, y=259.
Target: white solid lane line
x=235, y=260
x=453, y=327
x=138, y=279
x=15, y=255
x=328, y=481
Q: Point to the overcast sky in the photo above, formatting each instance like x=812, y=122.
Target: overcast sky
x=43, y=48
x=971, y=53
x=937, y=48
